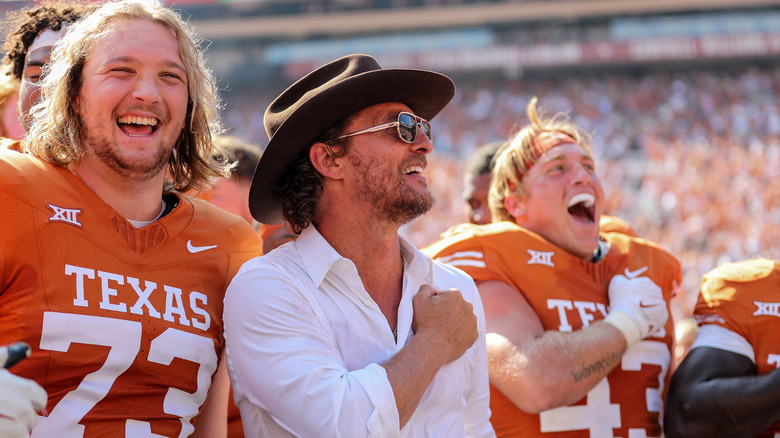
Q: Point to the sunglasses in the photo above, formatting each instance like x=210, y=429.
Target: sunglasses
x=406, y=125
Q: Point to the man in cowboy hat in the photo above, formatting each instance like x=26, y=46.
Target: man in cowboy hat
x=350, y=330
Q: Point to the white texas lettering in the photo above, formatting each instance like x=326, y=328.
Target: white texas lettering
x=171, y=307
x=561, y=306
x=586, y=310
x=112, y=297
x=108, y=291
x=143, y=297
x=80, y=273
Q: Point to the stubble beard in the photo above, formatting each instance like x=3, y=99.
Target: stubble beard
x=395, y=201
x=138, y=169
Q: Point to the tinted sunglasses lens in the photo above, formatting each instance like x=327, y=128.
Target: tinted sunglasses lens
x=407, y=127
x=426, y=129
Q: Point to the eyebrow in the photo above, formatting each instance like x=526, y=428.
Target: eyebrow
x=130, y=59
x=387, y=117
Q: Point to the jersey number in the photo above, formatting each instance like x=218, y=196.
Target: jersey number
x=123, y=338
x=598, y=415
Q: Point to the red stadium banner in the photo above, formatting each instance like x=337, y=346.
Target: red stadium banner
x=508, y=57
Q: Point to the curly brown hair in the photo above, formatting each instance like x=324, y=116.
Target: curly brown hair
x=23, y=26
x=300, y=187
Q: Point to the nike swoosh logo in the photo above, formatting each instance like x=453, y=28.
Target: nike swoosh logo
x=634, y=274
x=196, y=249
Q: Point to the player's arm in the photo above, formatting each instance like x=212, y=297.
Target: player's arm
x=534, y=367
x=212, y=419
x=716, y=393
x=542, y=369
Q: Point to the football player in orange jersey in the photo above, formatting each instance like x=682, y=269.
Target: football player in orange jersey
x=115, y=281
x=32, y=34
x=729, y=384
x=578, y=333
x=476, y=184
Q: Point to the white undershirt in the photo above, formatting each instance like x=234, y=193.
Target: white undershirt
x=141, y=224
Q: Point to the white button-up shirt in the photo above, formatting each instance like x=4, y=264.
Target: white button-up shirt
x=305, y=342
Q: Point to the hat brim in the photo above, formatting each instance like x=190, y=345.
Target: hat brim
x=426, y=93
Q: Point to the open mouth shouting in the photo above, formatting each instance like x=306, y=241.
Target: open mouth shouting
x=136, y=126
x=582, y=207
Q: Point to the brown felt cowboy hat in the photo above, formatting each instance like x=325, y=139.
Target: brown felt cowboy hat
x=326, y=96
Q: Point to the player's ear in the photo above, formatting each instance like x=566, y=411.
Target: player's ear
x=514, y=206
x=326, y=164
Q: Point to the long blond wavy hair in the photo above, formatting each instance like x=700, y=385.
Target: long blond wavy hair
x=55, y=134
x=515, y=159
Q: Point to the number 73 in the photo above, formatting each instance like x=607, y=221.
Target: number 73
x=123, y=338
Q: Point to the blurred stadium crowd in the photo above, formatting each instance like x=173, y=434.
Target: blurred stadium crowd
x=689, y=157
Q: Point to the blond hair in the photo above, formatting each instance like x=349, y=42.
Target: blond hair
x=56, y=131
x=515, y=159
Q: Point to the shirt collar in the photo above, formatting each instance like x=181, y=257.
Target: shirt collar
x=418, y=265
x=318, y=256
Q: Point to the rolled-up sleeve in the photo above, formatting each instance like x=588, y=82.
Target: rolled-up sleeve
x=284, y=360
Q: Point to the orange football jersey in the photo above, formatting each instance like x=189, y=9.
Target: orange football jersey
x=743, y=298
x=125, y=324
x=569, y=293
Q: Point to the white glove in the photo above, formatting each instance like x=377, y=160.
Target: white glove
x=637, y=307
x=19, y=400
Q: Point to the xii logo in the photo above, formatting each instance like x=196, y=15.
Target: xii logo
x=766, y=309
x=67, y=215
x=541, y=258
